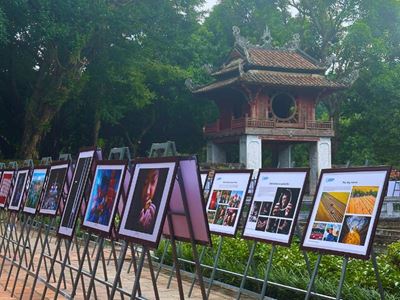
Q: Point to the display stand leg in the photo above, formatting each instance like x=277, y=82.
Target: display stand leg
x=133, y=253
x=119, y=269
x=116, y=266
x=30, y=261
x=298, y=232
x=175, y=256
x=7, y=237
x=377, y=276
x=95, y=246
x=171, y=274
x=153, y=277
x=53, y=261
x=135, y=268
x=64, y=263
x=100, y=245
x=202, y=253
x=342, y=277
x=314, y=275
x=18, y=243
x=221, y=240
x=39, y=262
x=253, y=248
x=137, y=275
x=104, y=265
x=45, y=246
x=79, y=272
x=5, y=233
x=166, y=246
x=267, y=271
x=79, y=261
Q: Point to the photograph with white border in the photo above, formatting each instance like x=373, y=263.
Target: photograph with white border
x=345, y=211
x=146, y=205
x=275, y=204
x=74, y=199
x=35, y=190
x=103, y=196
x=19, y=189
x=225, y=200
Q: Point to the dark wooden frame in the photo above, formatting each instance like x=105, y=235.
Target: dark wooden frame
x=242, y=171
x=54, y=164
x=40, y=167
x=11, y=191
x=94, y=160
x=374, y=225
x=297, y=212
x=124, y=164
x=136, y=162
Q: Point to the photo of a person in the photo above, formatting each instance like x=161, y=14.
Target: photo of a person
x=266, y=208
x=331, y=233
x=272, y=225
x=235, y=199
x=220, y=215
x=146, y=199
x=225, y=197
x=35, y=190
x=284, y=226
x=261, y=223
x=54, y=189
x=5, y=187
x=285, y=202
x=230, y=217
x=215, y=198
x=254, y=211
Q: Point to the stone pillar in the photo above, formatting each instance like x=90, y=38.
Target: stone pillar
x=285, y=157
x=320, y=158
x=215, y=153
x=250, y=151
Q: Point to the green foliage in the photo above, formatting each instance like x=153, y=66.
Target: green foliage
x=289, y=268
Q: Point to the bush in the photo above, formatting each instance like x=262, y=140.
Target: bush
x=289, y=268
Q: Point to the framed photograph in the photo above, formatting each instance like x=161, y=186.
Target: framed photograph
x=345, y=211
x=104, y=195
x=5, y=187
x=54, y=188
x=35, y=190
x=189, y=178
x=148, y=200
x=225, y=200
x=275, y=205
x=19, y=189
x=75, y=194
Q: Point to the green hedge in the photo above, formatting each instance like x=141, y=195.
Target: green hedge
x=289, y=268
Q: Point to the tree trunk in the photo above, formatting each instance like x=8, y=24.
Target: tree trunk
x=96, y=128
x=36, y=126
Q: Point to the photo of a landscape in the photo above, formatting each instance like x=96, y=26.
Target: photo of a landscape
x=362, y=200
x=332, y=207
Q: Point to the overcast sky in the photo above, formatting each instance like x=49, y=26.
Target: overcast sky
x=210, y=3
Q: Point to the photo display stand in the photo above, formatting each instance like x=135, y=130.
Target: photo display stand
x=344, y=217
x=146, y=209
x=225, y=203
x=273, y=213
x=74, y=205
x=184, y=222
x=55, y=191
x=18, y=191
x=35, y=192
x=10, y=229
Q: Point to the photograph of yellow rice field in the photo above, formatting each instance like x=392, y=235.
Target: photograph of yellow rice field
x=362, y=200
x=332, y=206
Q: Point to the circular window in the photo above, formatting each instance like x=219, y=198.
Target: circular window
x=283, y=106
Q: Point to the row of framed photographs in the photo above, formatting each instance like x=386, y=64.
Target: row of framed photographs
x=142, y=200
x=343, y=217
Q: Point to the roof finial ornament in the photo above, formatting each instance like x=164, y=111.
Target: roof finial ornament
x=266, y=38
x=294, y=43
x=240, y=41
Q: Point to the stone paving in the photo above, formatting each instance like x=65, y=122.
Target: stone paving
x=105, y=270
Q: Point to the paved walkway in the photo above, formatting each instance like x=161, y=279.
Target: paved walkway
x=105, y=271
